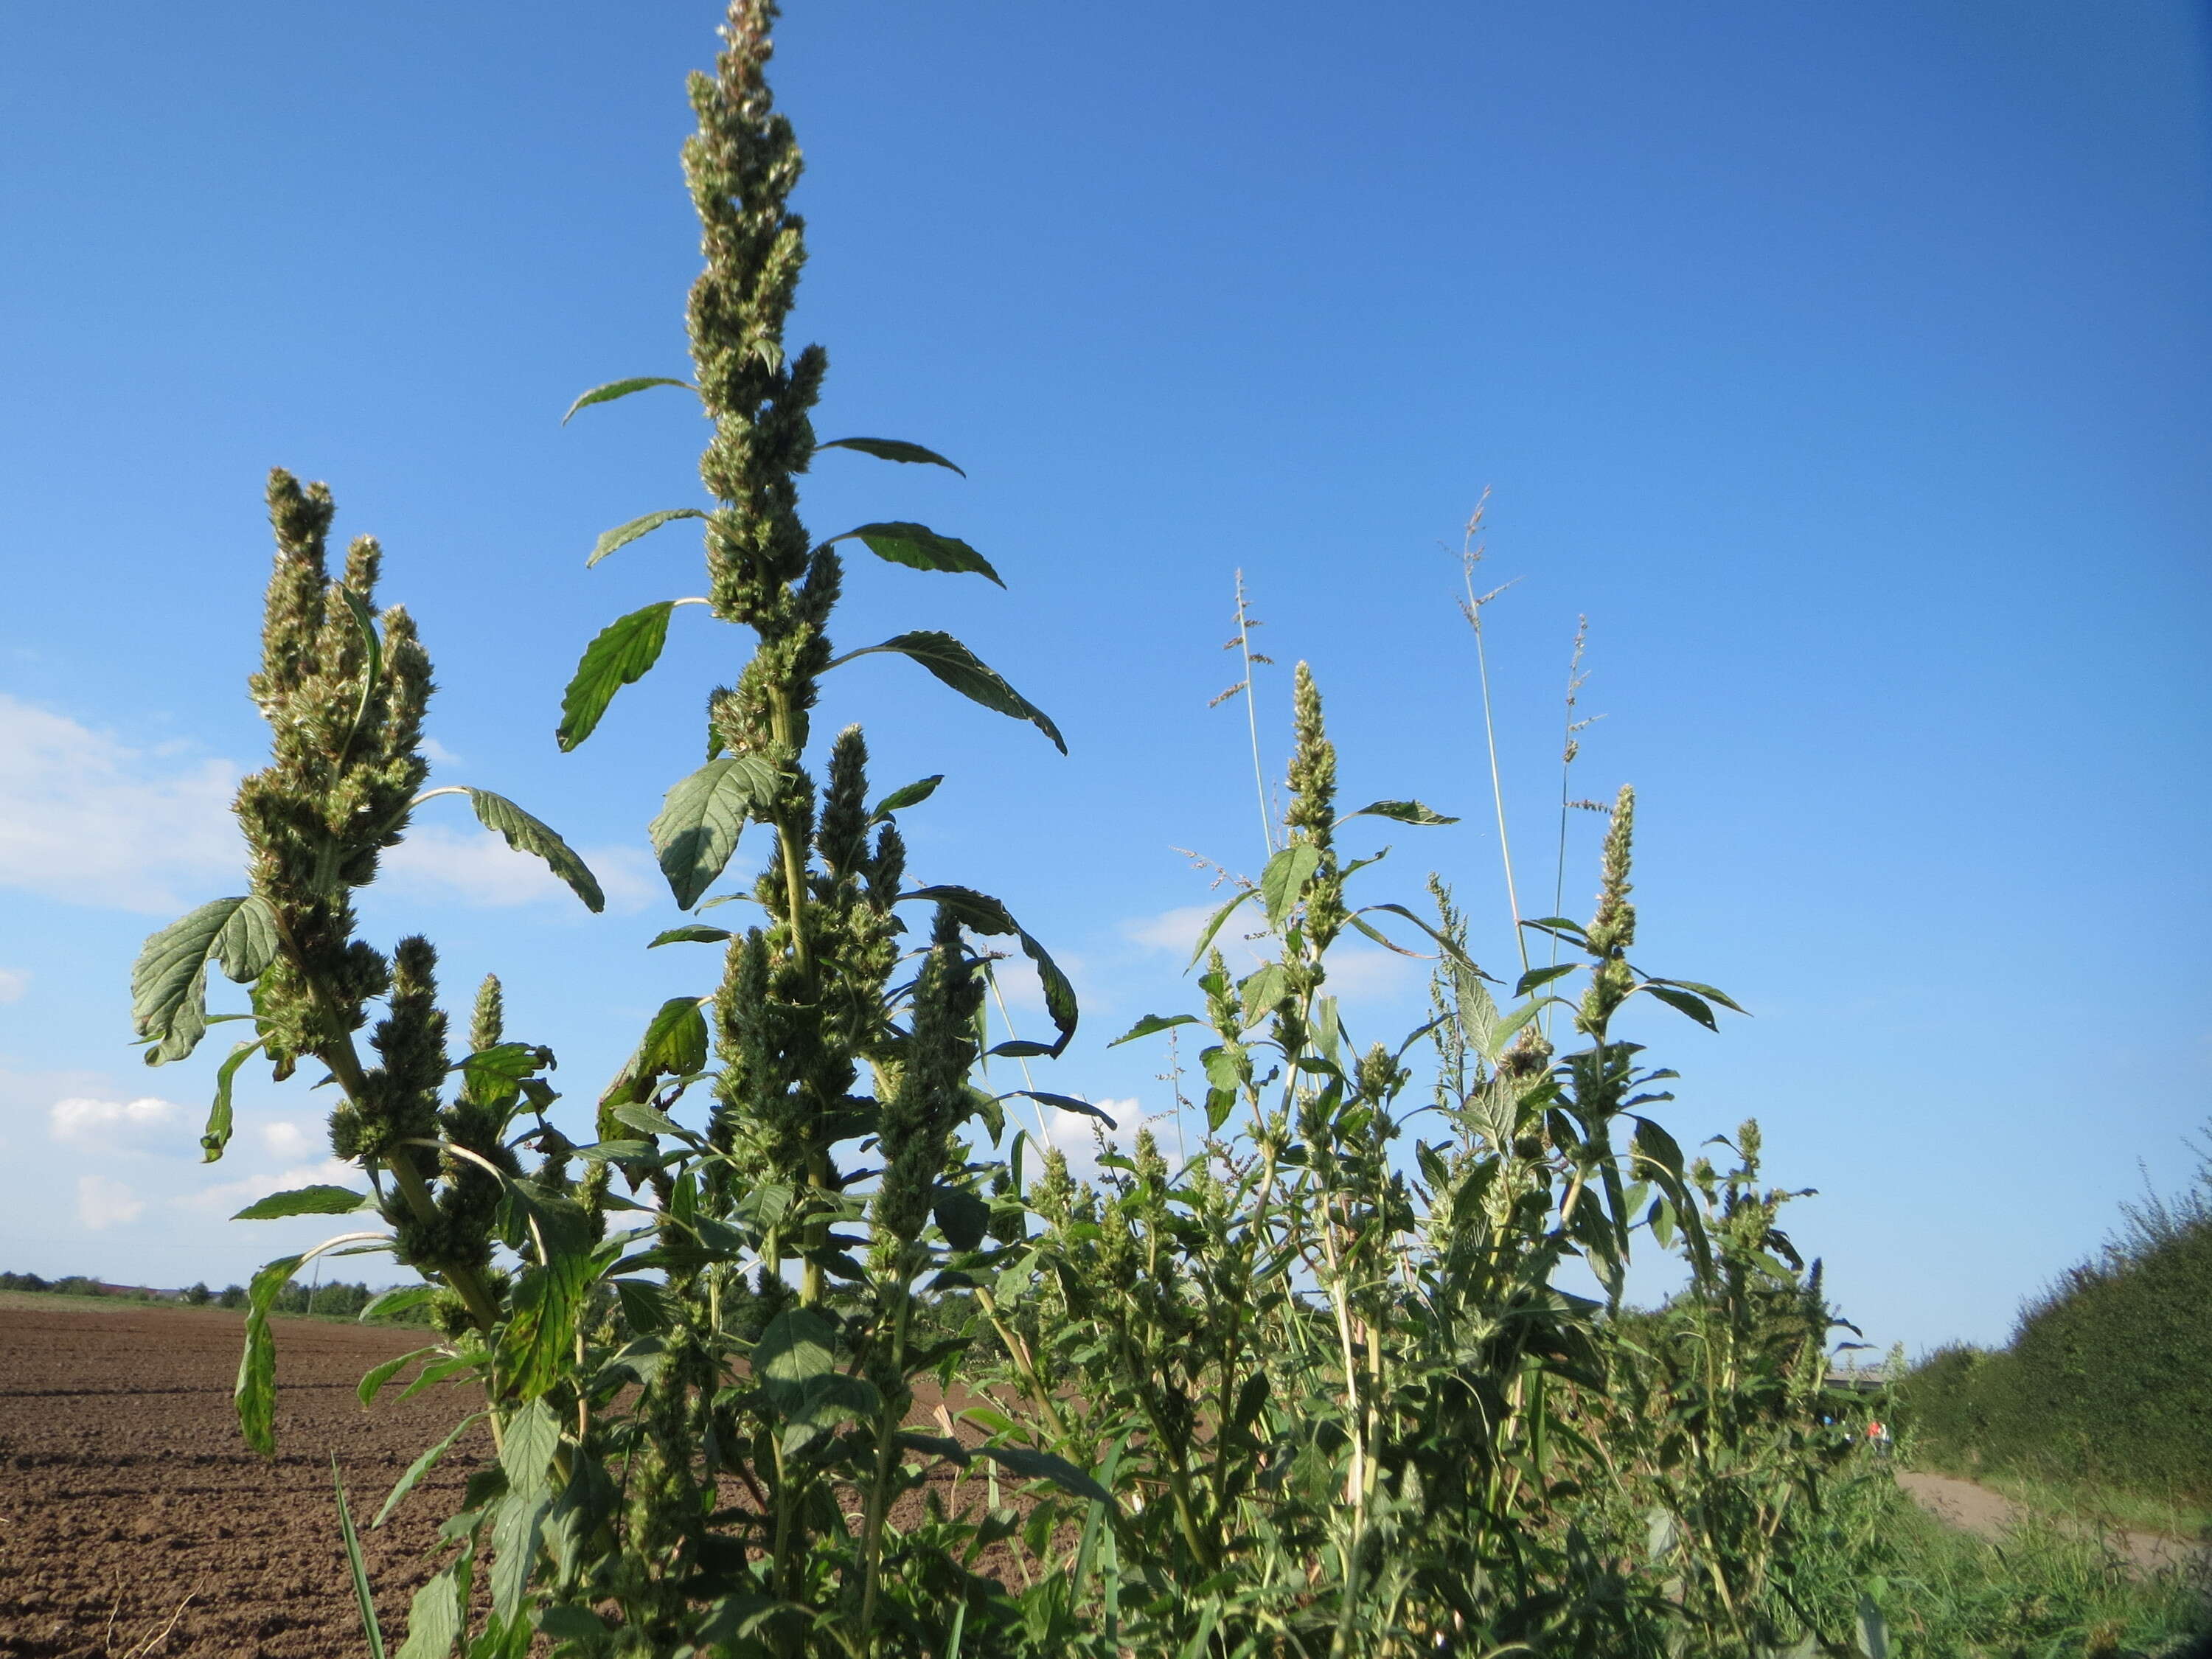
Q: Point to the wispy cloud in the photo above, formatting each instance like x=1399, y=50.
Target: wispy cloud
x=108, y=1125
x=88, y=818
x=102, y=1201
x=13, y=981
x=228, y=1197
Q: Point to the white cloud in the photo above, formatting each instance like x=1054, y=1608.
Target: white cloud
x=1175, y=930
x=102, y=1202
x=284, y=1139
x=13, y=981
x=88, y=818
x=1076, y=1133
x=482, y=869
x=106, y=1125
x=437, y=754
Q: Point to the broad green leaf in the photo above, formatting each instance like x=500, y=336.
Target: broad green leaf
x=1151, y=1023
x=1032, y=1465
x=623, y=534
x=920, y=548
x=255, y=1394
x=966, y=673
x=620, y=654
x=1707, y=992
x=305, y=1200
x=421, y=1467
x=531, y=1438
x=372, y=1380
x=364, y=1597
x=516, y=1533
x=216, y=1136
x=644, y=1117
x=433, y=1619
x=912, y=795
x=496, y=1074
x=674, y=1045
x=1400, y=812
x=1540, y=976
x=1067, y=1103
x=890, y=449
x=699, y=821
x=963, y=1217
x=614, y=389
x=1284, y=881
x=526, y=834
x=168, y=982
x=1262, y=988
x=535, y=1343
x=1021, y=1049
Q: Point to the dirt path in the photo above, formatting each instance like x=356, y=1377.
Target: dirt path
x=1978, y=1509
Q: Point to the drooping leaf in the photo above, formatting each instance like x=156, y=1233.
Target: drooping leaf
x=373, y=1379
x=623, y=534
x=981, y=913
x=168, y=982
x=255, y=1394
x=890, y=449
x=216, y=1136
x=614, y=389
x=620, y=654
x=1708, y=991
x=1068, y=1103
x=1685, y=1002
x=693, y=935
x=397, y=1299
x=1213, y=924
x=912, y=795
x=1151, y=1023
x=920, y=548
x=698, y=828
x=674, y=1045
x=966, y=673
x=304, y=1200
x=526, y=833
x=434, y=1618
x=1402, y=811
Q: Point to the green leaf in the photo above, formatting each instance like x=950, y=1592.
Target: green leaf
x=920, y=548
x=305, y=1200
x=421, y=1467
x=397, y=1299
x=1683, y=1002
x=795, y=1364
x=691, y=936
x=890, y=449
x=674, y=1045
x=963, y=1217
x=168, y=982
x=623, y=534
x=698, y=828
x=526, y=834
x=364, y=1598
x=621, y=655
x=495, y=1075
x=1540, y=976
x=1021, y=1049
x=526, y=1449
x=966, y=673
x=373, y=669
x=1213, y=924
x=372, y=1380
x=912, y=795
x=614, y=389
x=1033, y=1465
x=981, y=913
x=1708, y=992
x=1068, y=1103
x=1284, y=881
x=255, y=1394
x=1151, y=1023
x=1400, y=812
x=218, y=1134
x=434, y=1618
x=1264, y=988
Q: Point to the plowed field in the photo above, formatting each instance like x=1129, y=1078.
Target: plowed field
x=129, y=1507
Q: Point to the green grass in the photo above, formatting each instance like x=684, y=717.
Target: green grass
x=2174, y=1515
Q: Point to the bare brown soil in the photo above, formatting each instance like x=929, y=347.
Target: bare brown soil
x=134, y=1521
x=1976, y=1509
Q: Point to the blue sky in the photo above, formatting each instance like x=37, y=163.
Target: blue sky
x=1851, y=368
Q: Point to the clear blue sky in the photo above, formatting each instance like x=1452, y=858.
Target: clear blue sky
x=1850, y=367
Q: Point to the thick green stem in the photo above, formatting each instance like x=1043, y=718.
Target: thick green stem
x=886, y=1429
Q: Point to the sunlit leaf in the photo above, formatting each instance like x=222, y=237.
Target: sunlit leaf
x=891, y=449
x=920, y=548
x=621, y=653
x=966, y=673
x=614, y=389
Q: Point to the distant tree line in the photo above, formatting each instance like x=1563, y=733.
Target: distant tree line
x=332, y=1301
x=2108, y=1376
